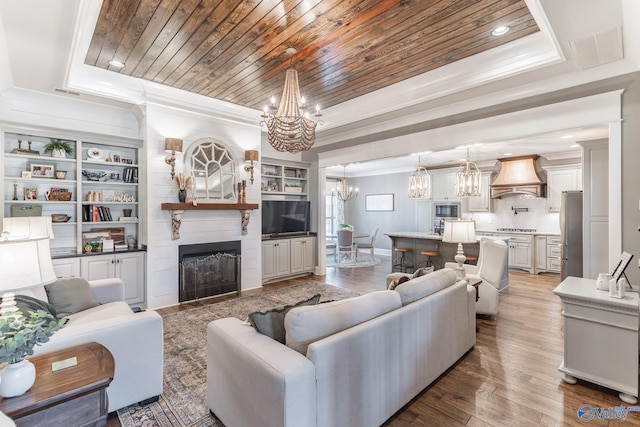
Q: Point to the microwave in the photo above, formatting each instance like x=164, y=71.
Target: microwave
x=446, y=210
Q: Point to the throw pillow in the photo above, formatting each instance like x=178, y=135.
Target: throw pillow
x=70, y=295
x=271, y=322
x=394, y=283
x=26, y=304
x=421, y=272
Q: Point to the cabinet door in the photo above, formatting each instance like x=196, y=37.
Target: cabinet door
x=297, y=255
x=483, y=202
x=541, y=253
x=283, y=258
x=269, y=259
x=309, y=260
x=96, y=267
x=130, y=268
x=66, y=267
x=559, y=180
x=521, y=255
x=444, y=187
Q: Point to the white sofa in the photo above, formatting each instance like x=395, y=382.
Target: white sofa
x=134, y=339
x=365, y=358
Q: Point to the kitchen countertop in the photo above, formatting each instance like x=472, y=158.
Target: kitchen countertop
x=535, y=233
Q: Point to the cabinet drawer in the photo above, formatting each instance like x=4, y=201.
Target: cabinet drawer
x=519, y=238
x=554, y=264
x=554, y=240
x=554, y=251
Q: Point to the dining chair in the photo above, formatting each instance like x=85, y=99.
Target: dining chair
x=345, y=242
x=368, y=246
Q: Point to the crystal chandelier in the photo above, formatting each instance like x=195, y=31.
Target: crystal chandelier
x=468, y=179
x=344, y=191
x=420, y=182
x=289, y=127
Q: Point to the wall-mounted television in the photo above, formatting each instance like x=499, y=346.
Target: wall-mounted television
x=285, y=217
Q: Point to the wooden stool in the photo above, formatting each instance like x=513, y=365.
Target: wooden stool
x=401, y=262
x=429, y=255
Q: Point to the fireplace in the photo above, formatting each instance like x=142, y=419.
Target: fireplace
x=208, y=269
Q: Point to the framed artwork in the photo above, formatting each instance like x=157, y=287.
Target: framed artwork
x=378, y=202
x=30, y=193
x=41, y=170
x=92, y=241
x=25, y=174
x=625, y=259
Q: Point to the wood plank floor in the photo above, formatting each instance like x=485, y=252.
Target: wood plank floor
x=510, y=378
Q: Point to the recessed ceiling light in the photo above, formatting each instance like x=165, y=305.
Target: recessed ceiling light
x=507, y=154
x=116, y=63
x=500, y=31
x=566, y=136
x=574, y=146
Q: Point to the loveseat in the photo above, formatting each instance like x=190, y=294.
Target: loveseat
x=352, y=362
x=134, y=339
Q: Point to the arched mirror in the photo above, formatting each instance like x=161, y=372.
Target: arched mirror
x=212, y=165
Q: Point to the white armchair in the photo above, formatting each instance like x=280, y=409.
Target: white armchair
x=492, y=269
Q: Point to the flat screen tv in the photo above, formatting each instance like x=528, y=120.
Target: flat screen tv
x=285, y=216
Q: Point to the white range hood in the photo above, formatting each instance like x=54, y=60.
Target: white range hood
x=518, y=175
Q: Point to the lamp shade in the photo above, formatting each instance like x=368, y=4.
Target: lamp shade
x=27, y=226
x=251, y=155
x=459, y=231
x=173, y=145
x=25, y=263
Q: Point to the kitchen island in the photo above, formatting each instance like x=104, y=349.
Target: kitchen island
x=419, y=242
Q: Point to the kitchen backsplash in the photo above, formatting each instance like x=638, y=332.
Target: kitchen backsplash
x=503, y=216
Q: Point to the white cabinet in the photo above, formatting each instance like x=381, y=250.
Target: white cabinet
x=303, y=255
x=541, y=253
x=66, y=267
x=554, y=252
x=483, y=202
x=559, y=179
x=520, y=251
x=276, y=258
x=127, y=266
x=444, y=186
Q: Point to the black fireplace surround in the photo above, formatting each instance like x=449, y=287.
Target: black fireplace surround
x=208, y=269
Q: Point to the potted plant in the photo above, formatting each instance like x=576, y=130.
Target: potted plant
x=58, y=148
x=18, y=335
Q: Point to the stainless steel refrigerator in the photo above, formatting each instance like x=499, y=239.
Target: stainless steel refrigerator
x=571, y=232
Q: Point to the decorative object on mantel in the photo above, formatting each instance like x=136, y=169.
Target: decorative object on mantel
x=459, y=231
x=173, y=146
x=177, y=209
x=468, y=179
x=345, y=192
x=242, y=192
x=420, y=182
x=184, y=181
x=250, y=156
x=289, y=127
x=24, y=263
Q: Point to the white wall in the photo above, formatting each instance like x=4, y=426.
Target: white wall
x=197, y=226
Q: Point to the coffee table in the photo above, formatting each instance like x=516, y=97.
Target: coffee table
x=76, y=393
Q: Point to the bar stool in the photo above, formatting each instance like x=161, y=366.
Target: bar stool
x=429, y=254
x=402, y=260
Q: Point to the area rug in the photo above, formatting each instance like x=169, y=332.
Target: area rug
x=183, y=401
x=347, y=263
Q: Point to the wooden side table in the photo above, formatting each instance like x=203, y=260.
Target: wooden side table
x=75, y=395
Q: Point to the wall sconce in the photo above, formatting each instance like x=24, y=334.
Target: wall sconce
x=250, y=156
x=173, y=146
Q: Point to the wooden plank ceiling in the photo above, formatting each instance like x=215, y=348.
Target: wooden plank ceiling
x=235, y=50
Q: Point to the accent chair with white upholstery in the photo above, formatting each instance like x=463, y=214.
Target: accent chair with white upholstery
x=368, y=246
x=492, y=269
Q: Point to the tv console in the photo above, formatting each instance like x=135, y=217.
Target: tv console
x=285, y=257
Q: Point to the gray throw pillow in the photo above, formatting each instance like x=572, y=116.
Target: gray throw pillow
x=26, y=304
x=70, y=295
x=271, y=322
x=420, y=272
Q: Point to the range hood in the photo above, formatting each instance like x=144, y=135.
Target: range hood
x=518, y=175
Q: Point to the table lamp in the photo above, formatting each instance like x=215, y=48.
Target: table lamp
x=459, y=231
x=24, y=263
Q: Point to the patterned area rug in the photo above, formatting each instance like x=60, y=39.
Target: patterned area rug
x=183, y=401
x=364, y=261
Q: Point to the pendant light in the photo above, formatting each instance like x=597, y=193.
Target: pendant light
x=345, y=192
x=420, y=183
x=468, y=179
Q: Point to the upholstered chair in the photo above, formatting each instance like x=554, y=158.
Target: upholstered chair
x=368, y=246
x=345, y=243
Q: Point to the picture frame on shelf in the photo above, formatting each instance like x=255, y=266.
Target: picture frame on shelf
x=92, y=240
x=30, y=193
x=25, y=174
x=41, y=169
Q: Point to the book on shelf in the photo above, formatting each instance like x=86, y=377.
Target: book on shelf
x=128, y=219
x=96, y=213
x=120, y=247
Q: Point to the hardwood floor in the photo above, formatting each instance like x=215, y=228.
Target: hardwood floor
x=510, y=377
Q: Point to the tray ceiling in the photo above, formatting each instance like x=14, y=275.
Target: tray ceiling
x=235, y=50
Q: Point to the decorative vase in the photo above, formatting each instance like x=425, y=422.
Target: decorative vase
x=17, y=378
x=58, y=153
x=182, y=195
